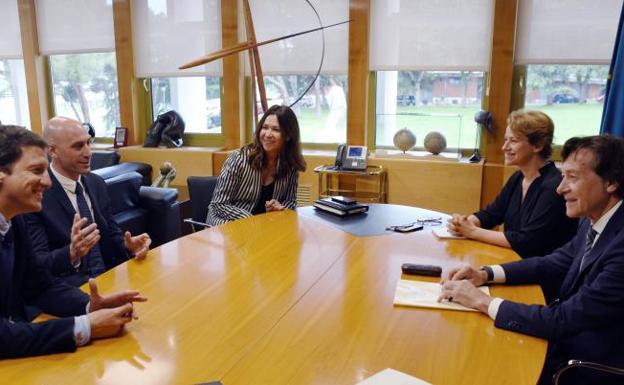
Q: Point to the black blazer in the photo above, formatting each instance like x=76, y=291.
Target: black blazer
x=32, y=284
x=538, y=225
x=586, y=322
x=50, y=229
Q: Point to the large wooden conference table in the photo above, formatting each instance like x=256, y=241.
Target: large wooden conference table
x=283, y=298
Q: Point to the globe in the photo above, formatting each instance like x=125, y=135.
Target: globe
x=435, y=142
x=404, y=139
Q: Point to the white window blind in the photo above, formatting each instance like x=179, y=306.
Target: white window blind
x=301, y=54
x=11, y=39
x=75, y=26
x=431, y=34
x=170, y=33
x=566, y=31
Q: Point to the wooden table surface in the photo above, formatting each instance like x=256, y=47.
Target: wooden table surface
x=285, y=299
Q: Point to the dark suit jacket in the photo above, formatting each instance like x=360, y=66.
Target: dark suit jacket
x=50, y=229
x=587, y=322
x=536, y=225
x=32, y=284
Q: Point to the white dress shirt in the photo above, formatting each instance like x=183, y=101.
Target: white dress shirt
x=69, y=185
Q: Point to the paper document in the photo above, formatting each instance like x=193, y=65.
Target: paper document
x=425, y=294
x=444, y=233
x=392, y=377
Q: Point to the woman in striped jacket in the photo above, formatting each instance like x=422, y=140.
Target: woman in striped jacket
x=261, y=176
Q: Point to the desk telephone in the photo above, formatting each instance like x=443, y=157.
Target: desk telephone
x=351, y=158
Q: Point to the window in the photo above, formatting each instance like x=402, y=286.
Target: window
x=290, y=65
x=195, y=93
x=85, y=88
x=13, y=97
x=572, y=95
x=566, y=46
x=430, y=59
x=426, y=101
x=196, y=99
x=322, y=112
x=82, y=60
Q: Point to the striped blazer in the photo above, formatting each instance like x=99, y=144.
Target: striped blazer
x=239, y=186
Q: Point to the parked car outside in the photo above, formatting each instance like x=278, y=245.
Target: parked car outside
x=406, y=100
x=565, y=98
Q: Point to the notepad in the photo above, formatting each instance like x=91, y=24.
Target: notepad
x=444, y=233
x=392, y=377
x=425, y=294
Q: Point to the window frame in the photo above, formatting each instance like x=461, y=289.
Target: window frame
x=372, y=119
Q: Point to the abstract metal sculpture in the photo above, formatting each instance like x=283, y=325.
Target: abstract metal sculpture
x=251, y=45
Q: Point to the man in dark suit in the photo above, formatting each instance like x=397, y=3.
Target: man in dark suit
x=586, y=321
x=75, y=234
x=23, y=178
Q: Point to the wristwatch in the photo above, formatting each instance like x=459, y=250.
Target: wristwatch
x=490, y=273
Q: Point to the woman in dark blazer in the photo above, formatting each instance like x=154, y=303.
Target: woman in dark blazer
x=262, y=176
x=528, y=205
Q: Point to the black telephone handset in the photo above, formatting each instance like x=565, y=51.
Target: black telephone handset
x=341, y=153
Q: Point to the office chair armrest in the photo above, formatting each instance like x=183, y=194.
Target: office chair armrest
x=163, y=219
x=196, y=223
x=588, y=365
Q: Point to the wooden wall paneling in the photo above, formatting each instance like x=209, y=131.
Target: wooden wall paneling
x=129, y=86
x=218, y=158
x=500, y=91
x=357, y=98
x=35, y=66
x=188, y=161
x=230, y=99
x=372, y=109
x=450, y=187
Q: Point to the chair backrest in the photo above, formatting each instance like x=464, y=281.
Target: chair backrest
x=200, y=191
x=123, y=191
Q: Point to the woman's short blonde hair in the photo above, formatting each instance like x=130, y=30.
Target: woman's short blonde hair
x=536, y=126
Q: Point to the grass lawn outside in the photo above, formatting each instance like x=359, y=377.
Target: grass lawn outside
x=456, y=123
x=573, y=119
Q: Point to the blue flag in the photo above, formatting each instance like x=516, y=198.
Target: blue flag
x=613, y=110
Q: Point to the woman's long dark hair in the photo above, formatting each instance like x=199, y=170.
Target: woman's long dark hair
x=290, y=157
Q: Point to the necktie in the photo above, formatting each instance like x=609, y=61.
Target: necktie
x=94, y=262
x=589, y=243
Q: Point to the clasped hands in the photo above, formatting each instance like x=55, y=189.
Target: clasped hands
x=460, y=285
x=273, y=205
x=84, y=238
x=108, y=314
x=463, y=225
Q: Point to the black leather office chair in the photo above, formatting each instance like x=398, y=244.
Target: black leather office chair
x=140, y=209
x=200, y=192
x=101, y=159
x=613, y=372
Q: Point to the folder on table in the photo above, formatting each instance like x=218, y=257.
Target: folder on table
x=328, y=205
x=425, y=294
x=392, y=377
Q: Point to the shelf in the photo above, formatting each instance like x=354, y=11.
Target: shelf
x=364, y=186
